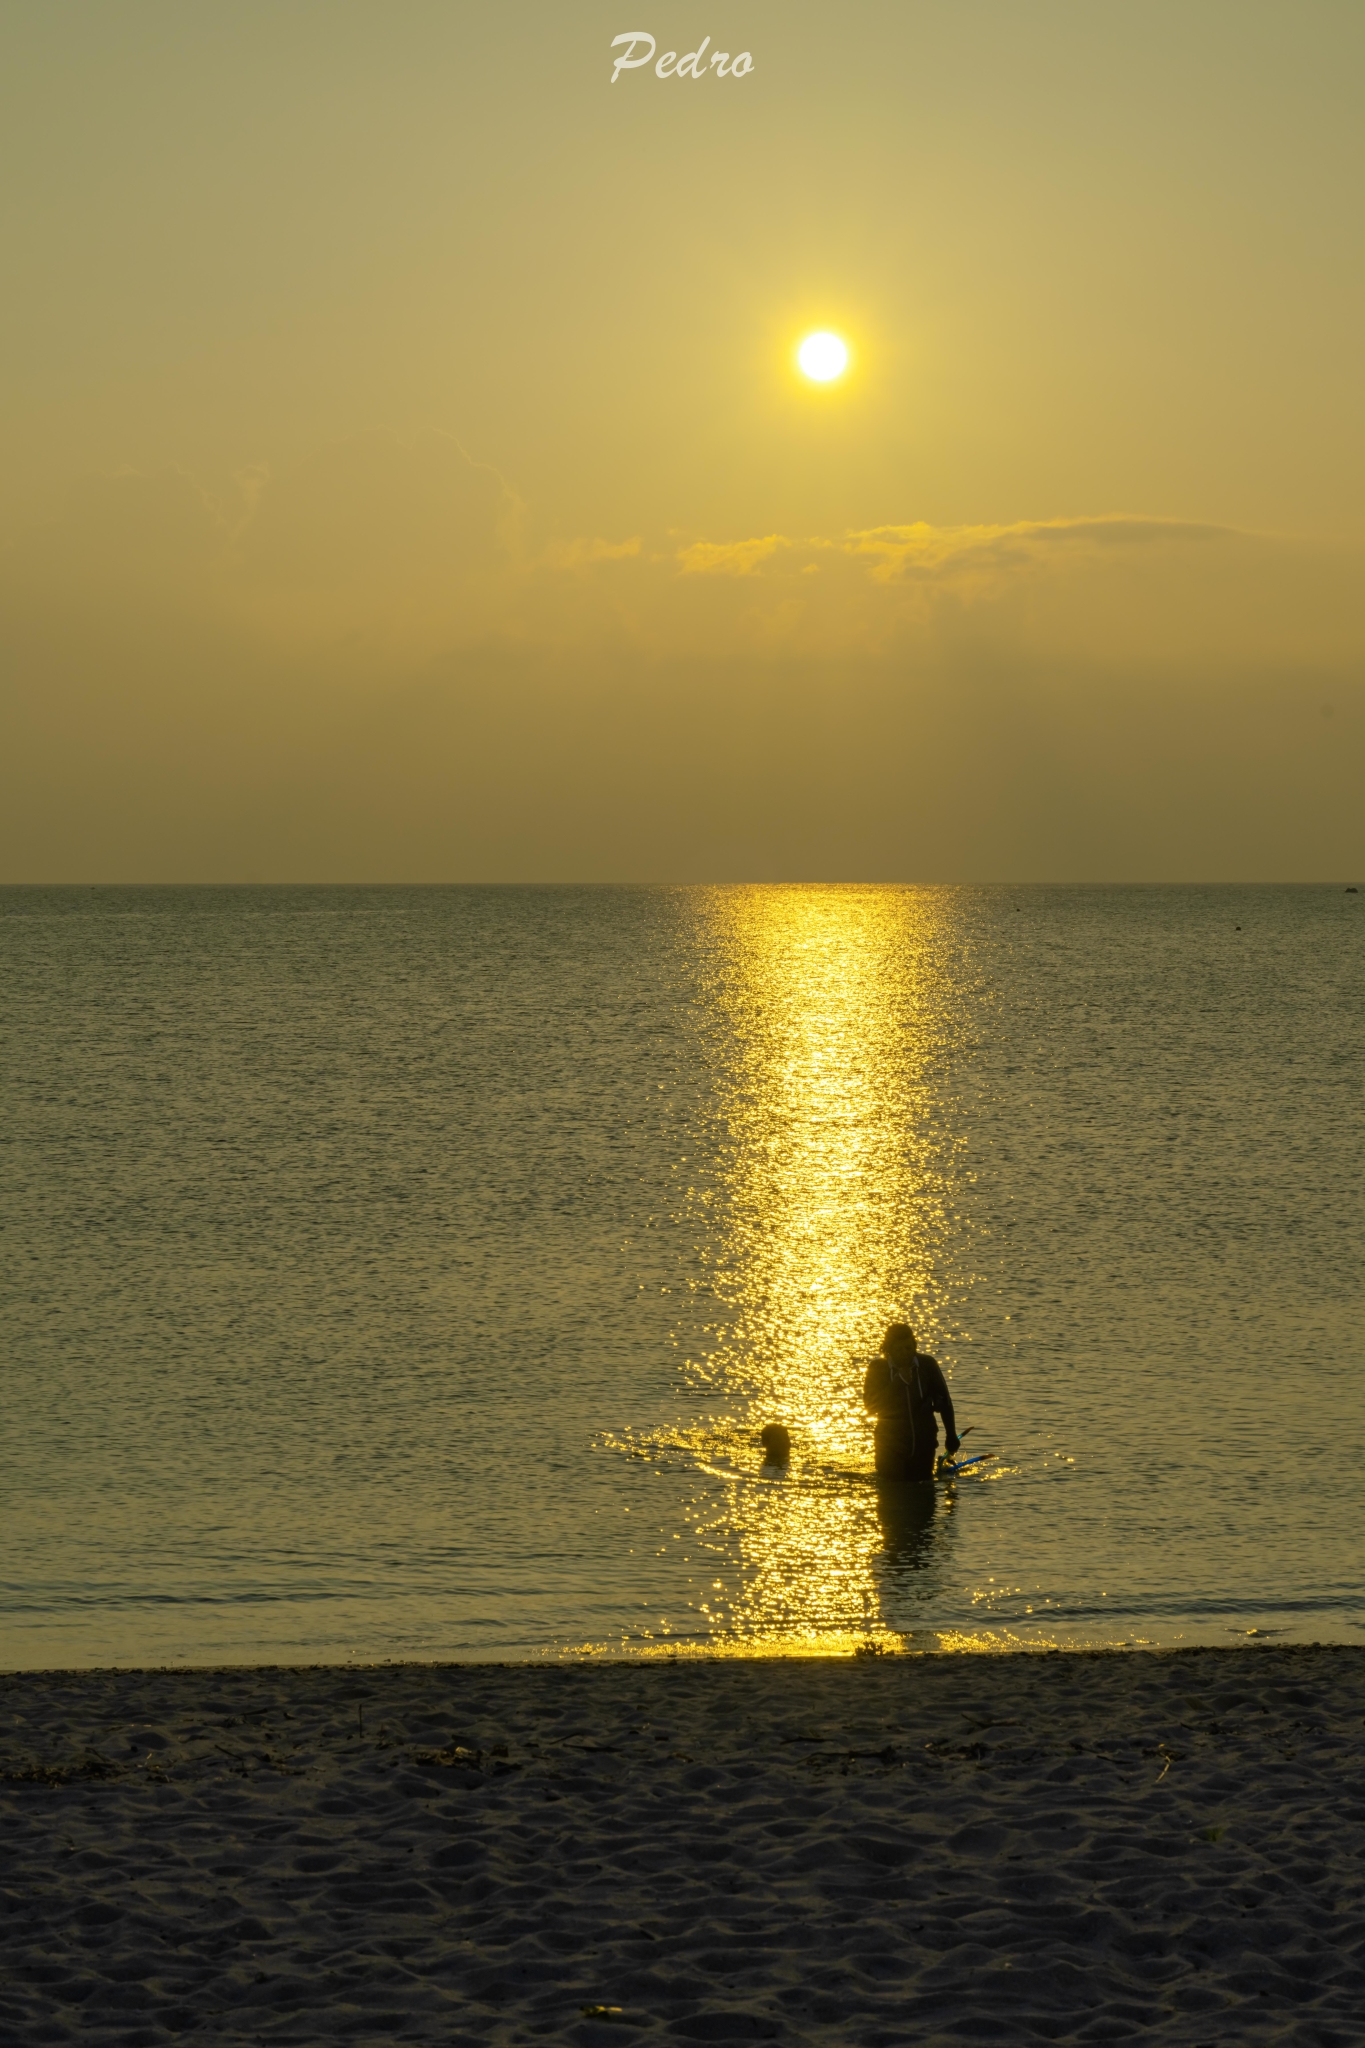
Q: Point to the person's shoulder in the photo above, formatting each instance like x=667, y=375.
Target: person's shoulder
x=932, y=1363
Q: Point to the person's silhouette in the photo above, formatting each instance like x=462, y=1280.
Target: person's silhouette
x=906, y=1391
x=777, y=1444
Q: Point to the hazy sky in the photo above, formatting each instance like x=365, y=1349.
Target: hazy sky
x=405, y=476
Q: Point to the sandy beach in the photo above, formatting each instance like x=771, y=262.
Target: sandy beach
x=880, y=1850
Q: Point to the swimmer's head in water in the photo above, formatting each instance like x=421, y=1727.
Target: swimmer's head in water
x=777, y=1444
x=899, y=1337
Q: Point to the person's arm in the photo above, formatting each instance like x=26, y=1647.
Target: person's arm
x=876, y=1385
x=941, y=1399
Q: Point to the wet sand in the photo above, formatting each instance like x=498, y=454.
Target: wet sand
x=877, y=1850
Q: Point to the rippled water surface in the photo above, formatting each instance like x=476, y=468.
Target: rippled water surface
x=407, y=1272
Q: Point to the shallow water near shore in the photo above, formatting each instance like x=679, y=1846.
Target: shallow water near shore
x=406, y=1273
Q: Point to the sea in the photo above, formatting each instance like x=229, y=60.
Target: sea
x=406, y=1273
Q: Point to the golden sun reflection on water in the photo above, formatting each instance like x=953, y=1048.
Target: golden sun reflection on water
x=836, y=1192
x=827, y=1213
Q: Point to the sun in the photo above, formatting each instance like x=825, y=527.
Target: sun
x=822, y=357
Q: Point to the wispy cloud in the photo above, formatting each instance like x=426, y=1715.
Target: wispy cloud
x=898, y=552
x=734, y=558
x=375, y=665
x=893, y=553
x=380, y=550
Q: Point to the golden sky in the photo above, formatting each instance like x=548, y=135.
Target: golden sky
x=405, y=475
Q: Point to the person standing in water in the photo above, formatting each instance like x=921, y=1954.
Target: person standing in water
x=906, y=1391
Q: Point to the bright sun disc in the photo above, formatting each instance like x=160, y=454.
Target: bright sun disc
x=822, y=356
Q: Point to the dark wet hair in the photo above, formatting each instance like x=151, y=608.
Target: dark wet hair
x=777, y=1443
x=898, y=1333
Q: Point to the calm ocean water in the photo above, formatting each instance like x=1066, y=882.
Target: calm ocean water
x=406, y=1272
